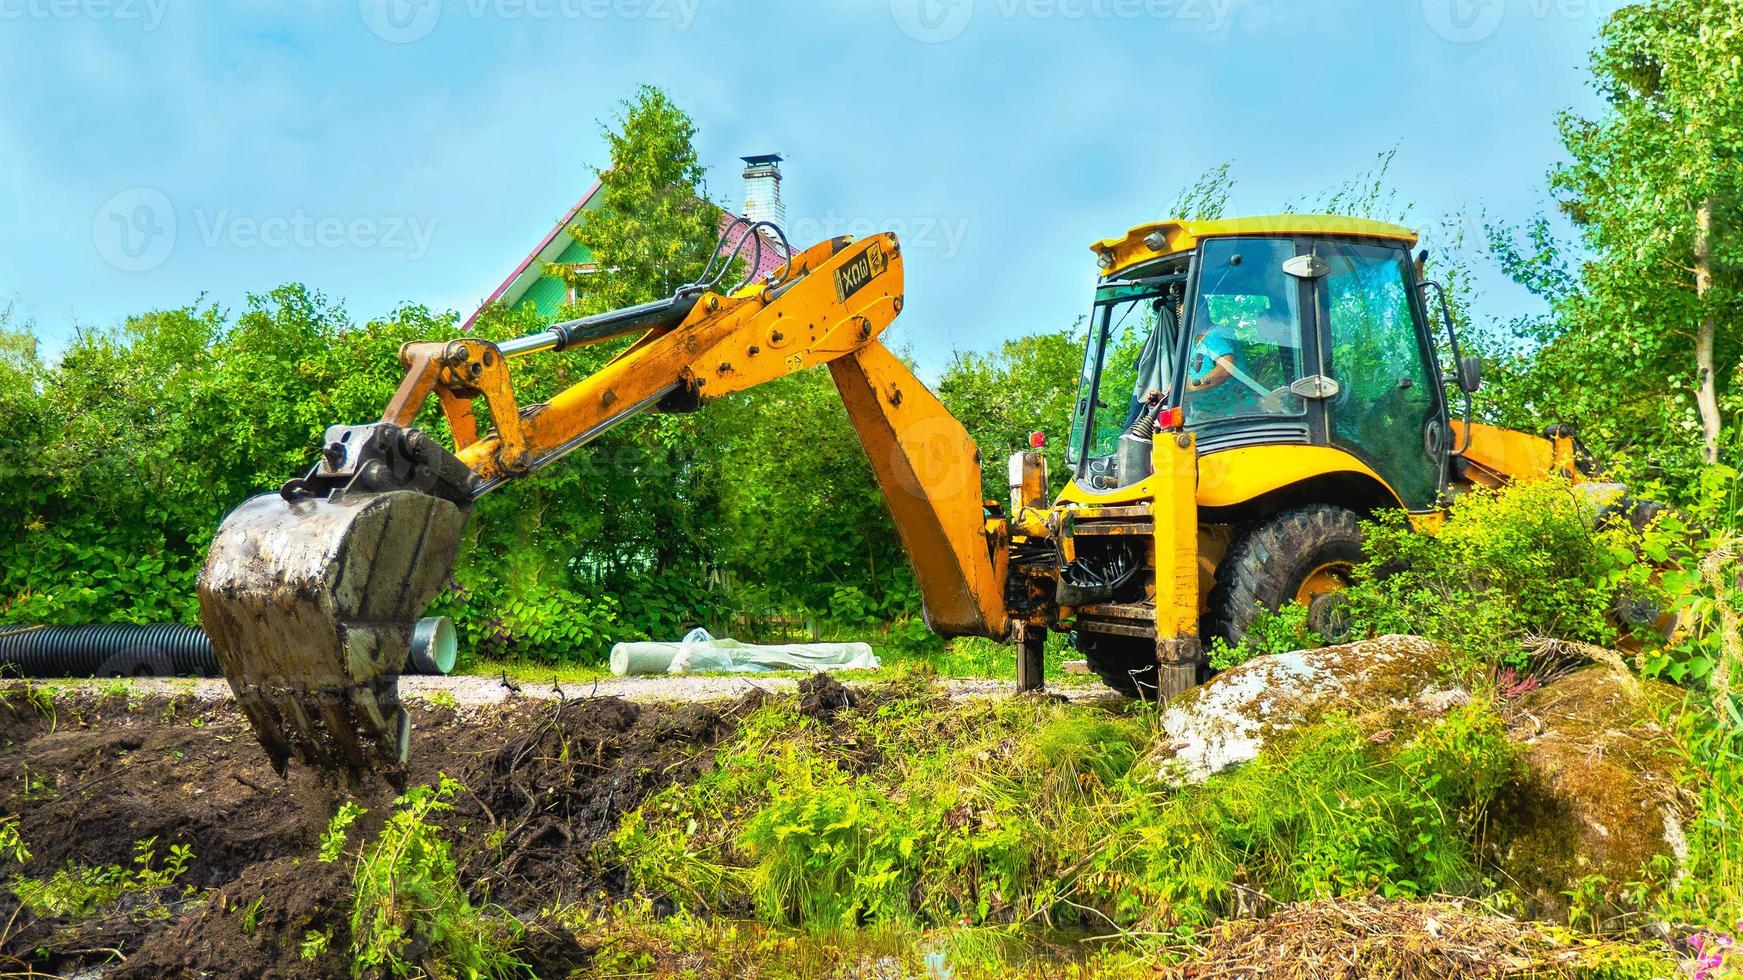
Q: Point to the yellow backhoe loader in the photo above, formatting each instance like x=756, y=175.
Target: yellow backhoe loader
x=1251, y=388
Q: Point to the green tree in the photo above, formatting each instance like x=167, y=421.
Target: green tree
x=656, y=228
x=615, y=542
x=1654, y=184
x=1029, y=384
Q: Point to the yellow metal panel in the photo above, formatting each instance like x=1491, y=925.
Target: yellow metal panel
x=1502, y=455
x=1183, y=236
x=1236, y=476
x=1175, y=517
x=929, y=470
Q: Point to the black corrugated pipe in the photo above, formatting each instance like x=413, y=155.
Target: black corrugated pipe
x=164, y=650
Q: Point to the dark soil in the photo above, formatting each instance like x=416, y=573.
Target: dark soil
x=821, y=696
x=89, y=776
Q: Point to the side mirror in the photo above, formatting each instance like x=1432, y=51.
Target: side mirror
x=1422, y=265
x=1470, y=373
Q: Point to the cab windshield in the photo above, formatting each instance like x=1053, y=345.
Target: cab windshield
x=1129, y=360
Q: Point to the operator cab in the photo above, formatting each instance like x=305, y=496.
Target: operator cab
x=1298, y=329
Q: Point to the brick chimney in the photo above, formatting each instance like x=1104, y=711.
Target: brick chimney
x=762, y=189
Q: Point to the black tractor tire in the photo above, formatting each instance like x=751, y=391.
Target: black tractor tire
x=1270, y=562
x=1125, y=663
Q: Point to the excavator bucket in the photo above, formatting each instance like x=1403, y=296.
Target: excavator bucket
x=311, y=604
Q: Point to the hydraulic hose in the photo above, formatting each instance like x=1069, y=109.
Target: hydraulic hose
x=163, y=650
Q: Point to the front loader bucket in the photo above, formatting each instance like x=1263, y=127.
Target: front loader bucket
x=311, y=605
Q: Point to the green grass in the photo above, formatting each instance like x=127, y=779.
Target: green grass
x=921, y=812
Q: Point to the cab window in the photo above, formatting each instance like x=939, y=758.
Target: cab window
x=1244, y=348
x=1129, y=362
x=1386, y=397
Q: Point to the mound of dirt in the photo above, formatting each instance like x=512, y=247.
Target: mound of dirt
x=88, y=776
x=1599, y=798
x=821, y=696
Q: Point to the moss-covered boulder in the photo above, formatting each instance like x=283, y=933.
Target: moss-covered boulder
x=1595, y=809
x=1228, y=720
x=1598, y=803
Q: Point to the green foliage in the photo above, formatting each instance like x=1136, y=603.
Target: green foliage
x=1710, y=739
x=333, y=838
x=1207, y=197
x=1533, y=560
x=656, y=228
x=129, y=448
x=911, y=811
x=1028, y=385
x=808, y=527
x=1634, y=298
x=12, y=846
x=1271, y=632
x=76, y=892
x=410, y=916
x=314, y=944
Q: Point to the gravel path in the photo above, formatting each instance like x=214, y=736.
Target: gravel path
x=471, y=690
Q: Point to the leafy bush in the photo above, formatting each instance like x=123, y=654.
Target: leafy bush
x=12, y=847
x=1530, y=560
x=1271, y=632
x=1710, y=738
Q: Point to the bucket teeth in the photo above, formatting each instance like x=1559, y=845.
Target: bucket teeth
x=310, y=606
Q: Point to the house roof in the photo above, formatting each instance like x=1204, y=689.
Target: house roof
x=532, y=268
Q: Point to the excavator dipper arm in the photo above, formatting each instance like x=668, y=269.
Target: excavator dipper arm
x=310, y=595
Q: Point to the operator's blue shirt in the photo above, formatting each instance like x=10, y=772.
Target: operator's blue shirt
x=1227, y=398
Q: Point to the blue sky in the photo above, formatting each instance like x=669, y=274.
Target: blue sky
x=385, y=151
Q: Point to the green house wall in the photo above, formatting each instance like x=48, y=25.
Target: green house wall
x=549, y=293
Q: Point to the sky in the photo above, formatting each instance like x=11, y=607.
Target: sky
x=390, y=151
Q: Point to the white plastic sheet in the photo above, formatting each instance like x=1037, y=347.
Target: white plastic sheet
x=701, y=653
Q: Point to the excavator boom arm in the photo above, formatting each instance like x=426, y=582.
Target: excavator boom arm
x=310, y=595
